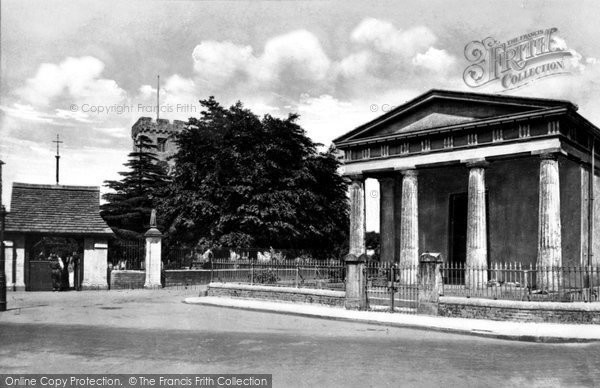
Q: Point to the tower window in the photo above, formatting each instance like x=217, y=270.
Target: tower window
x=161, y=144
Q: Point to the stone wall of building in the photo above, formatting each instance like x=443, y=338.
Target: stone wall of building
x=570, y=211
x=284, y=294
x=507, y=310
x=513, y=206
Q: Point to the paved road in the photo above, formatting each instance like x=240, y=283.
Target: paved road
x=151, y=331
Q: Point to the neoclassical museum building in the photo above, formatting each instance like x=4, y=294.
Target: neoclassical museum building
x=479, y=178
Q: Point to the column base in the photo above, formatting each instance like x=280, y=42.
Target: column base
x=355, y=304
x=476, y=277
x=549, y=280
x=152, y=286
x=93, y=287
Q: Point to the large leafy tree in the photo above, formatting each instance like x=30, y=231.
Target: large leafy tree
x=242, y=181
x=130, y=202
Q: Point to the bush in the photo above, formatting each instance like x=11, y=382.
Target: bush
x=265, y=277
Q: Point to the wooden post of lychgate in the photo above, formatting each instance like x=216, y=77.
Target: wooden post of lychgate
x=356, y=298
x=430, y=283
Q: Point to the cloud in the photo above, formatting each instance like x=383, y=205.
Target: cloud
x=26, y=112
x=296, y=56
x=385, y=58
x=74, y=78
x=290, y=64
x=217, y=63
x=435, y=60
x=385, y=38
x=70, y=115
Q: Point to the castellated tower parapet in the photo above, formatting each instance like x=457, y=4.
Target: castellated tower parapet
x=161, y=132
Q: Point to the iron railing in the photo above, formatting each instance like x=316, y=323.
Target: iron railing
x=515, y=281
x=307, y=273
x=127, y=254
x=193, y=258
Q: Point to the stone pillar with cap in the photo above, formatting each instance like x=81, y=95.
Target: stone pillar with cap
x=356, y=293
x=409, y=225
x=477, y=251
x=430, y=283
x=387, y=230
x=153, y=254
x=357, y=216
x=549, y=226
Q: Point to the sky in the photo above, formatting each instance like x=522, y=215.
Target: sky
x=87, y=70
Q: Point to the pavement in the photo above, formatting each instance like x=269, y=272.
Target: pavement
x=507, y=330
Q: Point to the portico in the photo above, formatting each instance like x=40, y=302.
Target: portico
x=482, y=179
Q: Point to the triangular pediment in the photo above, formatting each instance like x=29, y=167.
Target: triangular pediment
x=435, y=120
x=439, y=109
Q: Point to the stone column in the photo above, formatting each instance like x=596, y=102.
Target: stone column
x=8, y=265
x=357, y=216
x=549, y=228
x=95, y=266
x=409, y=222
x=356, y=294
x=397, y=215
x=153, y=258
x=476, y=275
x=387, y=231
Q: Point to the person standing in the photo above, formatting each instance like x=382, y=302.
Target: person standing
x=77, y=271
x=64, y=274
x=71, y=271
x=56, y=271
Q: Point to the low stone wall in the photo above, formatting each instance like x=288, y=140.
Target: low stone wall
x=185, y=277
x=284, y=294
x=124, y=280
x=508, y=310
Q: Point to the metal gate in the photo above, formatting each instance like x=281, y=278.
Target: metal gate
x=40, y=276
x=391, y=288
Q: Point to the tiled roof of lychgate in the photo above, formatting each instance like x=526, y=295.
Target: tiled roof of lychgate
x=55, y=209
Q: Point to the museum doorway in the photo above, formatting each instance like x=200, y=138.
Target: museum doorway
x=457, y=252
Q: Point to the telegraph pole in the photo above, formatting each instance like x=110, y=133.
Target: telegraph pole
x=2, y=265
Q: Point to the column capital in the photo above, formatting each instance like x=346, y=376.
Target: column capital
x=356, y=177
x=549, y=155
x=476, y=163
x=409, y=172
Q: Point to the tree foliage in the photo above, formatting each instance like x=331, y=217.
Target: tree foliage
x=129, y=204
x=242, y=181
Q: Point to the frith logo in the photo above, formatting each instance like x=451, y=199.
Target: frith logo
x=517, y=62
